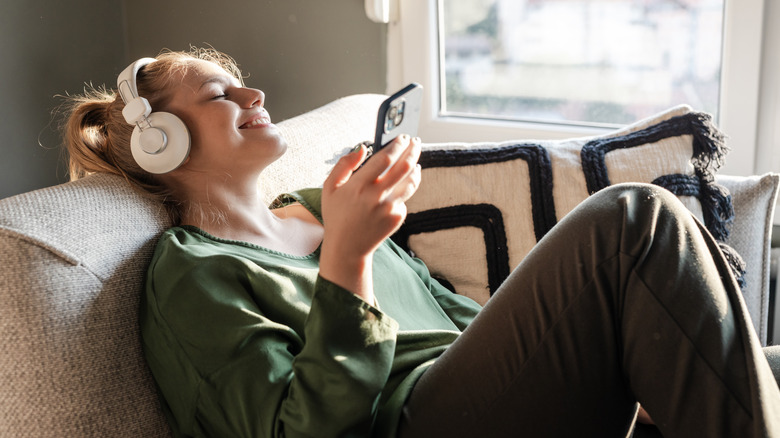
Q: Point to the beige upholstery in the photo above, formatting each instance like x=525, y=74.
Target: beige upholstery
x=73, y=258
x=73, y=261
x=751, y=234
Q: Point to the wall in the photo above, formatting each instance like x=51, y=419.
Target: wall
x=48, y=48
x=302, y=53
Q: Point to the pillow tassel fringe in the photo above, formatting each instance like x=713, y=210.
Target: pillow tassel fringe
x=736, y=263
x=709, y=153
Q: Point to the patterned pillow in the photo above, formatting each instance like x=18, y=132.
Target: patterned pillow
x=489, y=203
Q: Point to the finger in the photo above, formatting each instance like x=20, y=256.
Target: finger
x=410, y=184
x=344, y=167
x=405, y=165
x=382, y=160
x=406, y=188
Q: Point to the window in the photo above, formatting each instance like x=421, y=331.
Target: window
x=538, y=69
x=592, y=62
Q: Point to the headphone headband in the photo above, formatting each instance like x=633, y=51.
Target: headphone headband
x=125, y=83
x=128, y=90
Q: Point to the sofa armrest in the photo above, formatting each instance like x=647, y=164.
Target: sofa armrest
x=74, y=257
x=754, y=199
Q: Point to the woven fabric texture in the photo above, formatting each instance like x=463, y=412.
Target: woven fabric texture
x=754, y=201
x=73, y=259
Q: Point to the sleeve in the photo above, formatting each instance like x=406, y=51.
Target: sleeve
x=460, y=309
x=226, y=368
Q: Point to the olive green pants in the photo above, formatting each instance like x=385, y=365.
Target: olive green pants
x=627, y=299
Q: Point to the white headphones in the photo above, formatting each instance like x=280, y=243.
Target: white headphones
x=161, y=141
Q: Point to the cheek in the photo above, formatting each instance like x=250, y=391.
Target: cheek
x=207, y=124
x=205, y=136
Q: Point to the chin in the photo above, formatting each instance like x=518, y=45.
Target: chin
x=275, y=152
x=282, y=147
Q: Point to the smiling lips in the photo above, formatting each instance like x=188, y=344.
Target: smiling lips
x=260, y=120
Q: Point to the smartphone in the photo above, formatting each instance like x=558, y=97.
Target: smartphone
x=398, y=114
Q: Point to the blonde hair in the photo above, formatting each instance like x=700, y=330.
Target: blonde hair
x=97, y=137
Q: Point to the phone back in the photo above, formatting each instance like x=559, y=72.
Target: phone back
x=399, y=114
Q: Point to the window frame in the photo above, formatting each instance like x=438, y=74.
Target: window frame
x=413, y=56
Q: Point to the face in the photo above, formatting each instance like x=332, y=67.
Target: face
x=230, y=129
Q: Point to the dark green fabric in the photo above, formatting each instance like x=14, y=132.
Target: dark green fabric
x=246, y=341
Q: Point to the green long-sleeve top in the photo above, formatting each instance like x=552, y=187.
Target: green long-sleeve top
x=247, y=341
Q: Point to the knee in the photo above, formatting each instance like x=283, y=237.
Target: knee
x=641, y=193
x=637, y=209
x=639, y=200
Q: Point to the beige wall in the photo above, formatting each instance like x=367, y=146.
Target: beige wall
x=302, y=53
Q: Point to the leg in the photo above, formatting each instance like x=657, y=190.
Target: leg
x=773, y=357
x=626, y=299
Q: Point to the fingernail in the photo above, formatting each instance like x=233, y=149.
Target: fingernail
x=359, y=146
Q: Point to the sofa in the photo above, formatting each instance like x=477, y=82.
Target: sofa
x=74, y=256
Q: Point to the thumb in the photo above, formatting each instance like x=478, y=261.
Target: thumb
x=345, y=166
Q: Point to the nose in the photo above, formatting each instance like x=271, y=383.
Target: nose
x=254, y=97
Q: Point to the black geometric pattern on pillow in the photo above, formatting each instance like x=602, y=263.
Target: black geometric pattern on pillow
x=709, y=150
x=680, y=185
x=486, y=217
x=444, y=282
x=539, y=169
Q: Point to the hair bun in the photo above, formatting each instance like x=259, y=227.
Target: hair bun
x=93, y=125
x=91, y=118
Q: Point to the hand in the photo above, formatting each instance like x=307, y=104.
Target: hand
x=360, y=210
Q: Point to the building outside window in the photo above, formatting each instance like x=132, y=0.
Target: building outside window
x=592, y=62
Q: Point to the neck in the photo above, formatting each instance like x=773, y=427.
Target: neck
x=233, y=209
x=216, y=205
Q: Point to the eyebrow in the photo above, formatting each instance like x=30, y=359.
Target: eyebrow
x=215, y=79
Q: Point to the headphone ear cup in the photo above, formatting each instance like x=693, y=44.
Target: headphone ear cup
x=174, y=150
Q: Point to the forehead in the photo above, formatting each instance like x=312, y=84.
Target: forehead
x=199, y=72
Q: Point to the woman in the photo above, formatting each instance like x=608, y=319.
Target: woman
x=305, y=320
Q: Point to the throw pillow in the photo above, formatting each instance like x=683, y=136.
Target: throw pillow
x=491, y=202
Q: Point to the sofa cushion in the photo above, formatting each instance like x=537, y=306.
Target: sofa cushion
x=754, y=199
x=74, y=257
x=491, y=202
